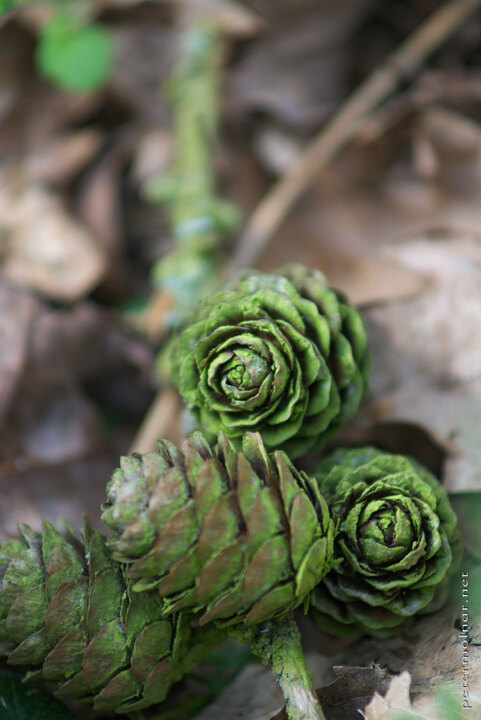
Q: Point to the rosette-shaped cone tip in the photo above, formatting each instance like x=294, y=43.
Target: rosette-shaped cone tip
x=281, y=354
x=234, y=535
x=69, y=617
x=396, y=547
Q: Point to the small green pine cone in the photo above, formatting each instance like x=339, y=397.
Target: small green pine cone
x=69, y=617
x=236, y=535
x=281, y=354
x=396, y=547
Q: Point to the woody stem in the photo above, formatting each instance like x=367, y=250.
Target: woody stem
x=278, y=644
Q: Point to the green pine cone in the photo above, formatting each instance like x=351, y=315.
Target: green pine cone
x=238, y=536
x=396, y=547
x=69, y=616
x=283, y=355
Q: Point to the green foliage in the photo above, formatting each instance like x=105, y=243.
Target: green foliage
x=448, y=705
x=24, y=702
x=76, y=58
x=7, y=5
x=448, y=702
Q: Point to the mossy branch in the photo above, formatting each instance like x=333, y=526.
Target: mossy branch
x=277, y=643
x=199, y=219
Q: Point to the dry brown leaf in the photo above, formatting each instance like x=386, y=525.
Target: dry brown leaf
x=431, y=651
x=17, y=311
x=394, y=701
x=43, y=247
x=32, y=112
x=54, y=422
x=254, y=694
x=449, y=148
x=424, y=326
x=279, y=74
x=68, y=490
x=143, y=60
x=351, y=689
x=153, y=155
x=77, y=371
x=99, y=199
x=77, y=365
x=429, y=655
x=64, y=156
x=422, y=178
x=427, y=354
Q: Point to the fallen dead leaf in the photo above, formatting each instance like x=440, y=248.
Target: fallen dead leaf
x=432, y=652
x=17, y=312
x=61, y=342
x=253, y=694
x=389, y=706
x=280, y=72
x=351, y=689
x=428, y=655
x=54, y=422
x=421, y=178
x=153, y=155
x=43, y=247
x=448, y=148
x=32, y=112
x=427, y=354
x=63, y=157
x=99, y=201
x=52, y=492
x=142, y=63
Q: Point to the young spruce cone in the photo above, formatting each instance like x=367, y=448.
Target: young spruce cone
x=69, y=616
x=396, y=547
x=283, y=354
x=236, y=535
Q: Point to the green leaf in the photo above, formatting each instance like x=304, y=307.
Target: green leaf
x=76, y=58
x=25, y=702
x=449, y=703
x=5, y=6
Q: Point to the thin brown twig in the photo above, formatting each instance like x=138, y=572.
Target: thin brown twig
x=434, y=88
x=344, y=125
